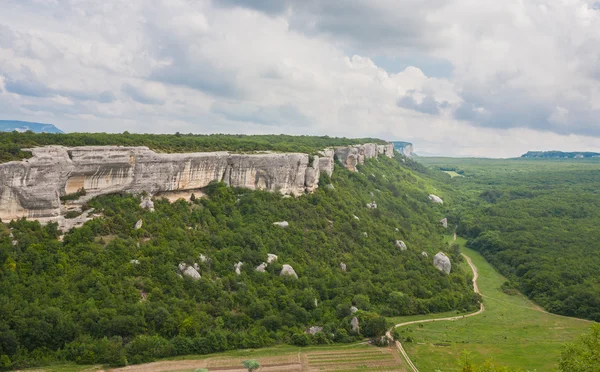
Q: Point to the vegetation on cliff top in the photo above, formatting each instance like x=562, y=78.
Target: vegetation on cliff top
x=109, y=293
x=11, y=143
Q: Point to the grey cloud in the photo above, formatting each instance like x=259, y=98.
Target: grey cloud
x=266, y=6
x=139, y=95
x=276, y=115
x=428, y=104
x=28, y=87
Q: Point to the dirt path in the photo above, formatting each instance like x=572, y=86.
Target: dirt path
x=481, y=310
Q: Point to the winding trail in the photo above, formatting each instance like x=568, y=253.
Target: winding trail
x=481, y=310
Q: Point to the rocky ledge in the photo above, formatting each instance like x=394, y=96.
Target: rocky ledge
x=33, y=188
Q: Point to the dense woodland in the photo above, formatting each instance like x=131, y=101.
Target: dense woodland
x=83, y=299
x=12, y=143
x=536, y=221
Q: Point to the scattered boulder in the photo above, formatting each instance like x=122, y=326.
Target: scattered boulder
x=283, y=224
x=424, y=254
x=400, y=244
x=354, y=324
x=444, y=222
x=238, y=267
x=138, y=225
x=353, y=309
x=286, y=196
x=134, y=262
x=15, y=242
x=365, y=234
x=343, y=266
x=203, y=258
x=372, y=195
x=271, y=257
x=372, y=205
x=436, y=199
x=189, y=271
x=356, y=218
x=147, y=203
x=397, y=229
x=316, y=303
x=314, y=330
x=288, y=270
x=330, y=186
x=442, y=262
x=262, y=267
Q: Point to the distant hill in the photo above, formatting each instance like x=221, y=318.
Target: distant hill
x=559, y=155
x=406, y=148
x=23, y=126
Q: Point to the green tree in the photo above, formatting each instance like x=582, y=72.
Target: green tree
x=252, y=365
x=583, y=355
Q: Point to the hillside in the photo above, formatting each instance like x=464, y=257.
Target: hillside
x=23, y=126
x=111, y=293
x=535, y=221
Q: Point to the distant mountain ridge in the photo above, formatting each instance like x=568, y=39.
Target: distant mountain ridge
x=559, y=155
x=23, y=126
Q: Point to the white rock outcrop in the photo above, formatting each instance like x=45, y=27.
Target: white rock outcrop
x=424, y=254
x=353, y=309
x=283, y=224
x=436, y=199
x=400, y=244
x=444, y=222
x=271, y=257
x=134, y=262
x=343, y=266
x=31, y=188
x=372, y=205
x=147, y=203
x=442, y=262
x=238, y=268
x=138, y=224
x=203, y=258
x=262, y=267
x=189, y=271
x=354, y=325
x=356, y=218
x=288, y=270
x=314, y=330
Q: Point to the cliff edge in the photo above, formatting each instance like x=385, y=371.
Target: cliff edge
x=33, y=188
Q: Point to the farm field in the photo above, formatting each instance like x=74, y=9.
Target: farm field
x=339, y=358
x=512, y=331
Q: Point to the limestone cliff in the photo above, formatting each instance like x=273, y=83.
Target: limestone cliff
x=33, y=187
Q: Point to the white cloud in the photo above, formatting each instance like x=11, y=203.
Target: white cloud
x=525, y=73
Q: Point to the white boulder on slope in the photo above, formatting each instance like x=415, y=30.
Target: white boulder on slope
x=436, y=199
x=288, y=270
x=442, y=262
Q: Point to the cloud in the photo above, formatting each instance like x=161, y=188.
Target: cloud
x=459, y=76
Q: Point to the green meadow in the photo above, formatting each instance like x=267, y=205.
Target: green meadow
x=512, y=331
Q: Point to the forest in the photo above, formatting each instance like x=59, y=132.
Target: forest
x=536, y=221
x=12, y=143
x=113, y=294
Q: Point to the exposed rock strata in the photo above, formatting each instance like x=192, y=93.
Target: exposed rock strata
x=32, y=188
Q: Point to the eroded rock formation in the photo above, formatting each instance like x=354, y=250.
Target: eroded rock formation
x=442, y=262
x=33, y=187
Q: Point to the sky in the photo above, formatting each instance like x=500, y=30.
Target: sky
x=454, y=77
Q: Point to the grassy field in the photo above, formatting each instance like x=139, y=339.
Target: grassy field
x=512, y=331
x=337, y=358
x=452, y=174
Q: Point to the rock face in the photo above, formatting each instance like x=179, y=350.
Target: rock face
x=444, y=222
x=400, y=244
x=287, y=270
x=314, y=330
x=436, y=199
x=442, y=262
x=188, y=270
x=32, y=187
x=354, y=325
x=351, y=156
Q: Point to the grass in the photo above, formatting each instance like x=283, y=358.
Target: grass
x=512, y=331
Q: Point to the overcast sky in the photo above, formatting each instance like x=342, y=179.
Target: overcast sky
x=455, y=77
